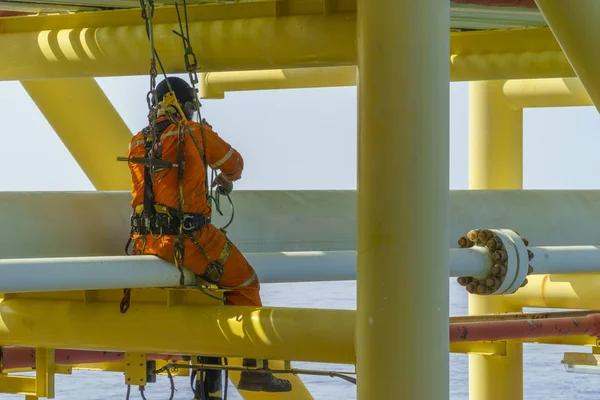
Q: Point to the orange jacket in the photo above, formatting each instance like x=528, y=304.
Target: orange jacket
x=219, y=155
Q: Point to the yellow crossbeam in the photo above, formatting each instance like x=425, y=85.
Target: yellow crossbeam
x=247, y=36
x=93, y=321
x=18, y=385
x=89, y=126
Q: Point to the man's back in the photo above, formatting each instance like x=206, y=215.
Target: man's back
x=219, y=154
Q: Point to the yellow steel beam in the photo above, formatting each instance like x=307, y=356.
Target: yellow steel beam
x=520, y=93
x=303, y=40
x=213, y=85
x=403, y=138
x=556, y=92
x=256, y=35
x=89, y=126
x=495, y=162
x=573, y=291
x=565, y=340
x=481, y=348
x=44, y=372
x=25, y=385
x=168, y=14
x=58, y=369
x=92, y=321
x=575, y=26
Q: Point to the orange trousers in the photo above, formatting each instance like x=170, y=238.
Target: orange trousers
x=237, y=270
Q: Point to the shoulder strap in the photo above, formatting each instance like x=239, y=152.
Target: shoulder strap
x=148, y=189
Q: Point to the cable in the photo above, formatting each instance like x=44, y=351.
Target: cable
x=226, y=383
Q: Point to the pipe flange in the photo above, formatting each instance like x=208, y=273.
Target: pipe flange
x=510, y=258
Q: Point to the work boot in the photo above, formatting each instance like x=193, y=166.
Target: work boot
x=209, y=383
x=261, y=381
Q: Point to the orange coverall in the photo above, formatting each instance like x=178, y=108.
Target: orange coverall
x=219, y=155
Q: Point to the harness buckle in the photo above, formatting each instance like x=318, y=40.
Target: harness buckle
x=188, y=222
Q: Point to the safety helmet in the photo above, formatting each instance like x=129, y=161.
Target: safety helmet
x=183, y=91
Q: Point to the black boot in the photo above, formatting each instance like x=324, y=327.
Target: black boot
x=209, y=383
x=261, y=381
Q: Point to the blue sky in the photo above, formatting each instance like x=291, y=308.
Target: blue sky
x=295, y=139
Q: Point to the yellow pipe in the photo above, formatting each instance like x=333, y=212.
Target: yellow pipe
x=214, y=85
x=287, y=42
x=245, y=36
x=89, y=126
x=402, y=199
x=495, y=139
x=520, y=93
x=268, y=333
x=495, y=162
x=474, y=56
x=573, y=291
x=557, y=92
x=575, y=26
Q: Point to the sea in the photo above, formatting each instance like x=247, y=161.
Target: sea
x=544, y=376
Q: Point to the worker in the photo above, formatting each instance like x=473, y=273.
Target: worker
x=227, y=267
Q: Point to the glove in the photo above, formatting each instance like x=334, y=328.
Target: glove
x=224, y=186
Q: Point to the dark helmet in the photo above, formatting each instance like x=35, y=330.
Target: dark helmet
x=183, y=91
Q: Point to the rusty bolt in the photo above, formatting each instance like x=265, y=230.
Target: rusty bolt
x=489, y=291
x=525, y=241
x=472, y=235
x=499, y=256
x=530, y=254
x=494, y=244
x=503, y=270
x=493, y=282
x=462, y=280
x=481, y=289
x=530, y=270
x=471, y=287
x=499, y=270
x=485, y=235
x=465, y=242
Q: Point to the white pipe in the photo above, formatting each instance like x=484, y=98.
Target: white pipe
x=89, y=224
x=563, y=260
x=116, y=272
x=475, y=262
x=90, y=273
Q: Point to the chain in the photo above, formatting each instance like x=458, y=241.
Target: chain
x=191, y=66
x=147, y=7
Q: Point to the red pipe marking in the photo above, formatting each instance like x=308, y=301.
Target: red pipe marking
x=525, y=329
x=499, y=3
x=13, y=13
x=24, y=357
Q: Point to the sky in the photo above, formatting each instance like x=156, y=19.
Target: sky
x=294, y=139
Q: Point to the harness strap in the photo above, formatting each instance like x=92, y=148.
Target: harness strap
x=215, y=268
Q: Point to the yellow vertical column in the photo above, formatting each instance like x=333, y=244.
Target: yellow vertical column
x=402, y=279
x=575, y=27
x=495, y=162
